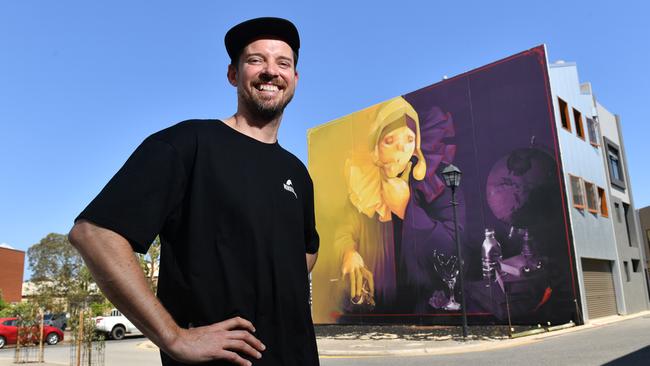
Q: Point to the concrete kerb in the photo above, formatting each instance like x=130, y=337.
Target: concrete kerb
x=381, y=348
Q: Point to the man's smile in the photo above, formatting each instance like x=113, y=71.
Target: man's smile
x=267, y=87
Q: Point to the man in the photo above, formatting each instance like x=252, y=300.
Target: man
x=234, y=212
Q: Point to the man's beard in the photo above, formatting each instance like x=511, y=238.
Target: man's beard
x=261, y=111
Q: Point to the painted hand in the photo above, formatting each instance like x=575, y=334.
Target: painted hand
x=354, y=267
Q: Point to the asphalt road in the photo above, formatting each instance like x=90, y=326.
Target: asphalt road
x=621, y=343
x=118, y=353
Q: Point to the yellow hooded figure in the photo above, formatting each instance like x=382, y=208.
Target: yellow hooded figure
x=378, y=179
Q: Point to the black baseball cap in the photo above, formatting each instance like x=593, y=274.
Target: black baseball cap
x=244, y=33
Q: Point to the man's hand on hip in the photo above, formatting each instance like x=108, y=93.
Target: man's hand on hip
x=227, y=340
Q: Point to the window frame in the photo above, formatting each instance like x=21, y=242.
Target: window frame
x=602, y=201
x=593, y=209
x=563, y=107
x=582, y=192
x=611, y=149
x=592, y=127
x=577, y=121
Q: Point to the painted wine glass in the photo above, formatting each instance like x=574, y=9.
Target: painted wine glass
x=447, y=268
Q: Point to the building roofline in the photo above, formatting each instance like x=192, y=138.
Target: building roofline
x=12, y=249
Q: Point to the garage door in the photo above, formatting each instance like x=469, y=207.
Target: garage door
x=599, y=288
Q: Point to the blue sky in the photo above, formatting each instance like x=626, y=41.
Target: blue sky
x=82, y=83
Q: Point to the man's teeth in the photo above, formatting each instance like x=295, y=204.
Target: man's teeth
x=267, y=87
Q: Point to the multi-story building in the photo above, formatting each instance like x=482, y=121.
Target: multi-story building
x=603, y=221
x=627, y=227
x=12, y=263
x=546, y=216
x=644, y=218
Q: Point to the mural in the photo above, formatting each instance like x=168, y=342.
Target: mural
x=383, y=212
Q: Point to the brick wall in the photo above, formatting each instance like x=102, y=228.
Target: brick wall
x=12, y=263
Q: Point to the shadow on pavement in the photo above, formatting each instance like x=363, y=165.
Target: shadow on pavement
x=640, y=357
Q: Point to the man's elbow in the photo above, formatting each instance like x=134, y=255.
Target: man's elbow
x=311, y=260
x=80, y=234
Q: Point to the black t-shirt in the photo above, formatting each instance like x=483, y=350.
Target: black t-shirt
x=235, y=218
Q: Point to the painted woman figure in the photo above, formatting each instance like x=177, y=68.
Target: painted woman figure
x=400, y=210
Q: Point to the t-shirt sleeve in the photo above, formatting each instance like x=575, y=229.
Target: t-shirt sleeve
x=312, y=240
x=137, y=201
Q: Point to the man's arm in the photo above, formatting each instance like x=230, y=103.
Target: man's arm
x=311, y=261
x=111, y=261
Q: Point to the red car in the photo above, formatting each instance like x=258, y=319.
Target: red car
x=9, y=332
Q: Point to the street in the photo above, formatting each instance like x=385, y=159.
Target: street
x=621, y=343
x=123, y=353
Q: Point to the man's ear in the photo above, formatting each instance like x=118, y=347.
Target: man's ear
x=232, y=75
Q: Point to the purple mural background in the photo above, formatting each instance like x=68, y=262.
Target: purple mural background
x=502, y=112
x=496, y=124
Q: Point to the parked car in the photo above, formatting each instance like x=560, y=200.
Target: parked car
x=116, y=325
x=59, y=320
x=9, y=332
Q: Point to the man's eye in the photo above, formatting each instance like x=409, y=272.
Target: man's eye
x=388, y=140
x=411, y=139
x=255, y=60
x=284, y=64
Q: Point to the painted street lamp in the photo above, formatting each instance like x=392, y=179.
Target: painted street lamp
x=451, y=174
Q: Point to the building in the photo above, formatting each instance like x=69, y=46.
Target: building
x=603, y=221
x=627, y=226
x=539, y=231
x=12, y=264
x=644, y=218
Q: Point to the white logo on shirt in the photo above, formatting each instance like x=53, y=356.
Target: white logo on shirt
x=289, y=187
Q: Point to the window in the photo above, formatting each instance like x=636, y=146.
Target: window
x=627, y=217
x=564, y=114
x=577, y=194
x=593, y=133
x=636, y=265
x=590, y=192
x=577, y=119
x=615, y=164
x=617, y=208
x=602, y=203
x=627, y=271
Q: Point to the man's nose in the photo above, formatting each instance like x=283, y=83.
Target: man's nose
x=271, y=70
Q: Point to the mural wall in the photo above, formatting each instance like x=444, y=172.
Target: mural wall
x=384, y=215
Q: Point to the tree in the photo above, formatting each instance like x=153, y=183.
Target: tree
x=3, y=304
x=149, y=263
x=59, y=274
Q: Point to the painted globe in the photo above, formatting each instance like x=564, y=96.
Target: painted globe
x=514, y=180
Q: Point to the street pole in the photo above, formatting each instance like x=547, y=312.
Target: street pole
x=41, y=352
x=461, y=262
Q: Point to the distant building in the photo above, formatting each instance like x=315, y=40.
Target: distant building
x=644, y=218
x=12, y=263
